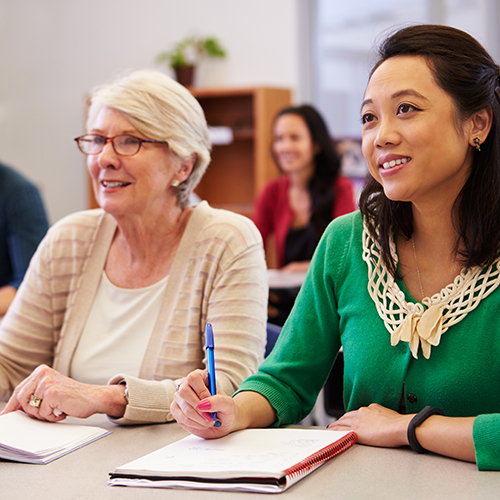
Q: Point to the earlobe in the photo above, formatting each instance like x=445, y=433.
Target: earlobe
x=187, y=167
x=480, y=127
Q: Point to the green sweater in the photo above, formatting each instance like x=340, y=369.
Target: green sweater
x=334, y=308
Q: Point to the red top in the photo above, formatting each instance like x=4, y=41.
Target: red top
x=273, y=214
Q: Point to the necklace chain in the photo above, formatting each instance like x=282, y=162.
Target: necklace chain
x=418, y=270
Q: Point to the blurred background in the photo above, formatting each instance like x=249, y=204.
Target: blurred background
x=52, y=52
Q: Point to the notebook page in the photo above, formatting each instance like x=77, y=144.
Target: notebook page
x=249, y=453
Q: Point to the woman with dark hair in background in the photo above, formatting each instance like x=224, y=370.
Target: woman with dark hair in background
x=297, y=207
x=410, y=285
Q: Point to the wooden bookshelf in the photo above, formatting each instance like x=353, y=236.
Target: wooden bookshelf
x=240, y=169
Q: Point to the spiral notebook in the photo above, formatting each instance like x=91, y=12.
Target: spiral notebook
x=258, y=460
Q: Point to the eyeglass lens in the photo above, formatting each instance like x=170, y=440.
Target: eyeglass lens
x=126, y=145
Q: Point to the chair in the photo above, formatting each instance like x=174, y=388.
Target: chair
x=329, y=405
x=334, y=387
x=273, y=332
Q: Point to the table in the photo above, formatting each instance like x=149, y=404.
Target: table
x=361, y=472
x=280, y=280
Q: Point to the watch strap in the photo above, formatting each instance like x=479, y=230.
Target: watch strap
x=418, y=419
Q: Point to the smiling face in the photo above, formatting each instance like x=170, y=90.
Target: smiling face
x=131, y=185
x=292, y=144
x=415, y=145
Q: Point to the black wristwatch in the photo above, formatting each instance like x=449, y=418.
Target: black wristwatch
x=418, y=419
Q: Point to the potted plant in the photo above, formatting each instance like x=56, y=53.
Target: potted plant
x=189, y=52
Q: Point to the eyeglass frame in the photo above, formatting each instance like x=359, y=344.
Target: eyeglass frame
x=111, y=139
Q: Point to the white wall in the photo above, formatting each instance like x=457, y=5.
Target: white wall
x=346, y=38
x=53, y=51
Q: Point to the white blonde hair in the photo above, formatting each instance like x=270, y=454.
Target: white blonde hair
x=164, y=110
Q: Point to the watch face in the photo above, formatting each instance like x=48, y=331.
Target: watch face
x=125, y=393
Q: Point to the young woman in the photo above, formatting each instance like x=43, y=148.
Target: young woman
x=297, y=207
x=409, y=286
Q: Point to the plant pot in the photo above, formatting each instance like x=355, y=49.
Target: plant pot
x=185, y=75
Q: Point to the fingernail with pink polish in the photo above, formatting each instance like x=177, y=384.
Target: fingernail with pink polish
x=204, y=405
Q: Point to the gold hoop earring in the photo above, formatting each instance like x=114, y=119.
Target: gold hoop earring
x=477, y=143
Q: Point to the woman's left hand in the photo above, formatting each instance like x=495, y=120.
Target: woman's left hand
x=54, y=396
x=375, y=425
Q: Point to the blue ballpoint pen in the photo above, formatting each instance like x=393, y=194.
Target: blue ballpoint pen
x=209, y=346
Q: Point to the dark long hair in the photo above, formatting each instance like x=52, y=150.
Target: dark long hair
x=463, y=69
x=327, y=166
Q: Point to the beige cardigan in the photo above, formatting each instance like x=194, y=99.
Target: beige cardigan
x=218, y=276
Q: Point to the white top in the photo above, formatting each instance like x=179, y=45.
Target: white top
x=117, y=331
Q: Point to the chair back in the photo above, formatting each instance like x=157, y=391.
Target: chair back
x=273, y=332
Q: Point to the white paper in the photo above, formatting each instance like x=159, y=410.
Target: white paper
x=25, y=439
x=247, y=453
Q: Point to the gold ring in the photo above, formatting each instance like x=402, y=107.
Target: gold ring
x=35, y=402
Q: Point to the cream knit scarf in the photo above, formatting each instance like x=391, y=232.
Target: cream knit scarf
x=424, y=323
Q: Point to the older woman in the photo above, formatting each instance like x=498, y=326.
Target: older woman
x=123, y=293
x=409, y=286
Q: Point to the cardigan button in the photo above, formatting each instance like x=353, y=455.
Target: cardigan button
x=412, y=398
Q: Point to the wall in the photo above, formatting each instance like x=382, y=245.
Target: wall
x=53, y=51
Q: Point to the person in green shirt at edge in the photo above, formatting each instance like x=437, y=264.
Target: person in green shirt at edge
x=409, y=285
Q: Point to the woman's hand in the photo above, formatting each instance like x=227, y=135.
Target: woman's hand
x=379, y=426
x=375, y=425
x=193, y=405
x=58, y=396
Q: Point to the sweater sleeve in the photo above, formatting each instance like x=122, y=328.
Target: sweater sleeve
x=30, y=332
x=293, y=374
x=486, y=435
x=29, y=329
x=238, y=312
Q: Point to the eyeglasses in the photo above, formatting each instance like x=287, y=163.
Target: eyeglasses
x=124, y=145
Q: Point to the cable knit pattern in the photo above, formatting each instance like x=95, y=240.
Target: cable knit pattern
x=423, y=323
x=218, y=276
